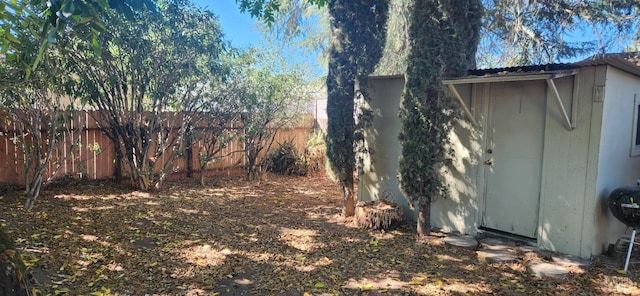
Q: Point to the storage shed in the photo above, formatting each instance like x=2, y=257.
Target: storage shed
x=536, y=155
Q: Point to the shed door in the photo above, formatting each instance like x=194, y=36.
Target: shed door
x=513, y=156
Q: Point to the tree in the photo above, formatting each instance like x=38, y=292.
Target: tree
x=303, y=26
x=272, y=97
x=396, y=48
x=33, y=103
x=150, y=66
x=50, y=18
x=517, y=32
x=445, y=35
x=215, y=129
x=540, y=29
x=266, y=10
x=40, y=123
x=357, y=39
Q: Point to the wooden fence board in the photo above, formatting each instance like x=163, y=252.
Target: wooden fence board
x=84, y=161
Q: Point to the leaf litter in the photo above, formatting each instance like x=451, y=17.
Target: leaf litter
x=282, y=235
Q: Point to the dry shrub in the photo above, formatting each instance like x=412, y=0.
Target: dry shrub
x=314, y=153
x=285, y=160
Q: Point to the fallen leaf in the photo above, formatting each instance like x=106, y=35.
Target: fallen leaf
x=11, y=253
x=300, y=258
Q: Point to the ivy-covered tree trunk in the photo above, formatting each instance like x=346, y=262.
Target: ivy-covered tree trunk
x=341, y=125
x=357, y=38
x=445, y=35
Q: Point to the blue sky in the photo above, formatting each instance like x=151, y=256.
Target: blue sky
x=242, y=31
x=239, y=28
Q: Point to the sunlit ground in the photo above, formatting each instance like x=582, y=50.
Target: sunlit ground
x=284, y=235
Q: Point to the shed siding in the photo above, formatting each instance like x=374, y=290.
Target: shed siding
x=591, y=77
x=565, y=167
x=459, y=211
x=580, y=167
x=380, y=167
x=616, y=166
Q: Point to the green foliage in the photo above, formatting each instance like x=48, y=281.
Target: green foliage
x=267, y=9
x=355, y=48
x=517, y=32
x=445, y=35
x=51, y=18
x=394, y=58
x=154, y=63
x=32, y=101
x=315, y=153
x=286, y=160
x=270, y=94
x=303, y=30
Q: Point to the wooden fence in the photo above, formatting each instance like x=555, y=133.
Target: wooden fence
x=94, y=157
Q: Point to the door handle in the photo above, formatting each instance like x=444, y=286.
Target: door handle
x=488, y=162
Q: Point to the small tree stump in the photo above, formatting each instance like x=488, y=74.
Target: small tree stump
x=380, y=214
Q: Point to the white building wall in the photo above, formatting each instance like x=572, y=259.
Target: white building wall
x=380, y=167
x=567, y=164
x=460, y=211
x=616, y=167
x=580, y=167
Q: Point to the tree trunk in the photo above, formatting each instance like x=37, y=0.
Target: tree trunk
x=189, y=152
x=203, y=166
x=117, y=162
x=33, y=188
x=424, y=219
x=349, y=200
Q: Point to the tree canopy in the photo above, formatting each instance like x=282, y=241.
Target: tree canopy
x=157, y=62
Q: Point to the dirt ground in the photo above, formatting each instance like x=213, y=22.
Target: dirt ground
x=279, y=236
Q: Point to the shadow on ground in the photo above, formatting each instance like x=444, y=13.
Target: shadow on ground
x=281, y=236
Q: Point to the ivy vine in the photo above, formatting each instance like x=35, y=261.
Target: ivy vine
x=445, y=36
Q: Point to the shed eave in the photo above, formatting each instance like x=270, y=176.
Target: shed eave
x=500, y=78
x=548, y=76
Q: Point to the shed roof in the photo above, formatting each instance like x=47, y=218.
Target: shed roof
x=628, y=61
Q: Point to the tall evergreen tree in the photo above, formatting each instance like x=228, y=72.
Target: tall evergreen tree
x=394, y=57
x=445, y=35
x=519, y=32
x=357, y=40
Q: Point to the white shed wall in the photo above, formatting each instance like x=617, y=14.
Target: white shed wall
x=380, y=167
x=459, y=212
x=616, y=167
x=580, y=167
x=568, y=164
